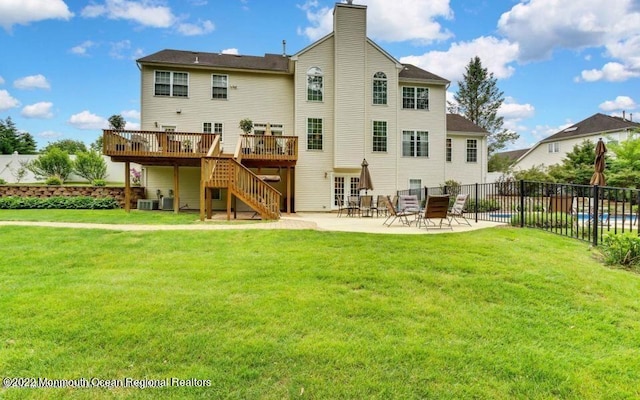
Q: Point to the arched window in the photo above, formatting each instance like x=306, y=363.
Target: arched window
x=315, y=86
x=379, y=88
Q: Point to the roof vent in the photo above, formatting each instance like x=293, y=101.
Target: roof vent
x=571, y=129
x=196, y=61
x=350, y=2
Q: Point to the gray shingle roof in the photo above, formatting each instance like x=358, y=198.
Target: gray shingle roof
x=414, y=73
x=270, y=62
x=458, y=123
x=513, y=155
x=594, y=124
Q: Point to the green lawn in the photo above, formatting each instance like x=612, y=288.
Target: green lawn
x=501, y=313
x=117, y=216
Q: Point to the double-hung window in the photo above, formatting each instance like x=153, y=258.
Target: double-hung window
x=379, y=88
x=472, y=150
x=315, y=84
x=379, y=136
x=448, y=150
x=171, y=84
x=314, y=133
x=415, y=98
x=215, y=127
x=554, y=147
x=415, y=144
x=219, y=86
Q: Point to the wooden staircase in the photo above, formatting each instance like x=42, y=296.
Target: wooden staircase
x=226, y=171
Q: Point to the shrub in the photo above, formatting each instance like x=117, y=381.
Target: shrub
x=484, y=205
x=99, y=182
x=90, y=165
x=58, y=202
x=621, y=249
x=544, y=220
x=54, y=162
x=53, y=181
x=2, y=182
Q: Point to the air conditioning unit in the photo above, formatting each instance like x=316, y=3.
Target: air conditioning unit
x=166, y=203
x=147, y=204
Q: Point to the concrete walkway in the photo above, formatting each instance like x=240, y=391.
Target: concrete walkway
x=314, y=221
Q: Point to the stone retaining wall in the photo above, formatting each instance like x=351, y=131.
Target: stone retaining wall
x=137, y=192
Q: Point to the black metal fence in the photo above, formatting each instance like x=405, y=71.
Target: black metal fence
x=580, y=211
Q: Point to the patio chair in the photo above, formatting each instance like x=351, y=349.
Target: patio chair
x=457, y=209
x=403, y=216
x=354, y=206
x=408, y=202
x=381, y=205
x=366, y=206
x=341, y=206
x=436, y=207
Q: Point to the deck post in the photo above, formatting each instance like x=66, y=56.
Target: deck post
x=176, y=188
x=288, y=190
x=203, y=191
x=208, y=197
x=127, y=186
x=229, y=194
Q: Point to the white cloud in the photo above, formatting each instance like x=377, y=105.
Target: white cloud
x=201, y=28
x=132, y=126
x=389, y=21
x=620, y=103
x=496, y=55
x=611, y=72
x=544, y=131
x=7, y=101
x=82, y=48
x=38, y=110
x=514, y=111
x=88, y=121
x=14, y=12
x=230, y=51
x=122, y=50
x=49, y=134
x=133, y=114
x=32, y=82
x=145, y=12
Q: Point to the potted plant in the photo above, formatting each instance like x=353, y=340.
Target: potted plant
x=246, y=125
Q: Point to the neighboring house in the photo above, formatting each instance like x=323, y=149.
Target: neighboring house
x=554, y=149
x=316, y=114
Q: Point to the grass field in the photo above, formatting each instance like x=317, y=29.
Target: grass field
x=500, y=313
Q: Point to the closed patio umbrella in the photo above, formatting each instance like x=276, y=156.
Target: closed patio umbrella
x=599, y=165
x=365, y=177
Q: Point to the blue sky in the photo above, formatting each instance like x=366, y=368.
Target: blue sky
x=68, y=65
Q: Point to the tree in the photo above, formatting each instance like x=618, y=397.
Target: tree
x=54, y=163
x=90, y=165
x=625, y=167
x=479, y=99
x=8, y=136
x=577, y=166
x=117, y=122
x=69, y=145
x=26, y=144
x=97, y=145
x=500, y=163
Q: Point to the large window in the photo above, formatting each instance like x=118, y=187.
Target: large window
x=314, y=133
x=315, y=85
x=380, y=88
x=449, y=150
x=472, y=150
x=415, y=98
x=219, y=86
x=415, y=144
x=554, y=147
x=379, y=136
x=171, y=84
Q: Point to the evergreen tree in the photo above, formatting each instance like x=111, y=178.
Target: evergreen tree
x=26, y=144
x=8, y=136
x=479, y=99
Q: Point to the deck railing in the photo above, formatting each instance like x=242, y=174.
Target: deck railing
x=267, y=147
x=156, y=144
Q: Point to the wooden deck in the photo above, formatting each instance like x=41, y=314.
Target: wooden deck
x=186, y=148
